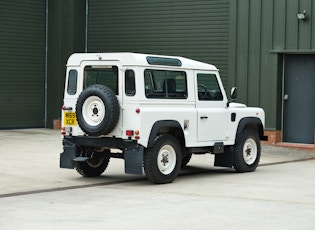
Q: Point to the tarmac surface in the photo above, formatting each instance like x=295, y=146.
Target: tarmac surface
x=35, y=193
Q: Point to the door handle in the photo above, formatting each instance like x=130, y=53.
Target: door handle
x=203, y=117
x=286, y=97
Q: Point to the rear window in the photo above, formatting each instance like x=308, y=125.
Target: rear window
x=103, y=75
x=72, y=82
x=130, y=83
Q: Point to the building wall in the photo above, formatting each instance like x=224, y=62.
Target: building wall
x=66, y=35
x=22, y=63
x=194, y=29
x=245, y=39
x=261, y=31
x=31, y=83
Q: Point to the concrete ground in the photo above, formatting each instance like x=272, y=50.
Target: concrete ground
x=35, y=193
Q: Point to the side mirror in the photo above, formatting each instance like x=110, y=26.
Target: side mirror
x=233, y=94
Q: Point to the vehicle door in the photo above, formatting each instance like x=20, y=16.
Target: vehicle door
x=108, y=73
x=211, y=107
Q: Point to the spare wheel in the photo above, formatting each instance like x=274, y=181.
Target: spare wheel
x=97, y=110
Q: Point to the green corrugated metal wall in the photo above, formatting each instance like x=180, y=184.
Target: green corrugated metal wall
x=66, y=35
x=246, y=39
x=22, y=63
x=261, y=31
x=195, y=29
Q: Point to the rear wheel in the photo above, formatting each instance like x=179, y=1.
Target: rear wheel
x=162, y=161
x=246, y=151
x=95, y=166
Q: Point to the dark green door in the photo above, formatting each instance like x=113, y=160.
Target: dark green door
x=299, y=99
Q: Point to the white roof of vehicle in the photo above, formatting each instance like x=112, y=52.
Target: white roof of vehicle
x=136, y=59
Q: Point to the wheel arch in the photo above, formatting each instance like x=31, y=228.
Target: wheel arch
x=166, y=126
x=253, y=123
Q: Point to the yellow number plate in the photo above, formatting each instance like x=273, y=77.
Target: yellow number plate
x=69, y=118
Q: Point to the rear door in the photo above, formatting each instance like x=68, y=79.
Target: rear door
x=108, y=73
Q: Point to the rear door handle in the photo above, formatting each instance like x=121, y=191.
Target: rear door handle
x=203, y=117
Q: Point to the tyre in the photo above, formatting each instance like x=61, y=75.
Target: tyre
x=186, y=156
x=162, y=161
x=97, y=110
x=95, y=166
x=246, y=153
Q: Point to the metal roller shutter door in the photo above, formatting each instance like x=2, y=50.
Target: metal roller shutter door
x=22, y=63
x=196, y=29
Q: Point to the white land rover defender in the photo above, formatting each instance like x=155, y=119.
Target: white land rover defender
x=154, y=112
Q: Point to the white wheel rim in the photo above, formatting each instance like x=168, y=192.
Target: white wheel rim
x=250, y=151
x=93, y=111
x=166, y=160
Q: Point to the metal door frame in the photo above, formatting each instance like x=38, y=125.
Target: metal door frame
x=282, y=96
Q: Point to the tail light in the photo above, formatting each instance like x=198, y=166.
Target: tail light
x=66, y=108
x=65, y=130
x=130, y=133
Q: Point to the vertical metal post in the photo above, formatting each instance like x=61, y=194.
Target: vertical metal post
x=46, y=64
x=86, y=24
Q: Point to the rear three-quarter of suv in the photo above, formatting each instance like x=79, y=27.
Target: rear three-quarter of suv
x=154, y=112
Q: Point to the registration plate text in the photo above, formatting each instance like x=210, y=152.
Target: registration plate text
x=69, y=118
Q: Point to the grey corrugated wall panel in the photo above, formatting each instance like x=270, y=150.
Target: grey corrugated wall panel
x=22, y=63
x=194, y=29
x=265, y=29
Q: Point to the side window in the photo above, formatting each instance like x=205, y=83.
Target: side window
x=72, y=82
x=208, y=87
x=165, y=84
x=130, y=83
x=103, y=75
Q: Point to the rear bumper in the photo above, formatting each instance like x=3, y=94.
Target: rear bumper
x=132, y=152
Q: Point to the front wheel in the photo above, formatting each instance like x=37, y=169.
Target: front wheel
x=246, y=154
x=162, y=161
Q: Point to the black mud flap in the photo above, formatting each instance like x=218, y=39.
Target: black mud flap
x=224, y=159
x=133, y=156
x=68, y=154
